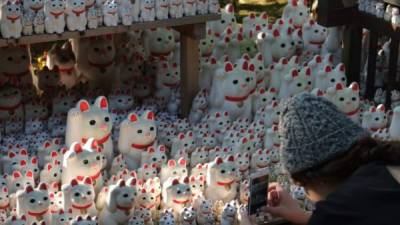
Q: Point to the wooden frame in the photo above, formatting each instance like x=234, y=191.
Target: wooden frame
x=192, y=29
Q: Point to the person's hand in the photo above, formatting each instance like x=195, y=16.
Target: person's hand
x=281, y=204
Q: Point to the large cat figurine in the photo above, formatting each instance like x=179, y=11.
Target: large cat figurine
x=15, y=66
x=137, y=133
x=91, y=121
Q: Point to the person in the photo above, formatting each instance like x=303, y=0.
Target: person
x=351, y=178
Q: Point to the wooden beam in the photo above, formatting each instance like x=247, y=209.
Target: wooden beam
x=352, y=40
x=40, y=38
x=372, y=53
x=190, y=36
x=393, y=58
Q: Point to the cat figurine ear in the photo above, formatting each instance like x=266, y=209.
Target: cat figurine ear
x=102, y=103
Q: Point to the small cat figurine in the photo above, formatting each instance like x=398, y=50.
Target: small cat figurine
x=110, y=12
x=76, y=15
x=176, y=8
x=39, y=23
x=162, y=9
x=11, y=21
x=147, y=11
x=55, y=17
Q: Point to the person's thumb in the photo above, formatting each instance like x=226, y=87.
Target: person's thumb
x=274, y=211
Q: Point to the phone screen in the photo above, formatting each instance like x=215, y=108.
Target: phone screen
x=258, y=192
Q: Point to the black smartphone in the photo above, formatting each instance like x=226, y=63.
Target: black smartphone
x=258, y=191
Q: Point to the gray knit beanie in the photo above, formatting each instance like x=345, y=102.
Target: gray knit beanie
x=313, y=131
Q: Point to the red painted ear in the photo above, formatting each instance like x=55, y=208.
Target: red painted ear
x=228, y=67
x=202, y=178
x=23, y=152
x=133, y=182
x=294, y=3
x=261, y=91
x=251, y=67
x=84, y=106
x=295, y=73
x=5, y=189
x=246, y=56
x=231, y=158
x=22, y=163
x=171, y=163
x=153, y=165
x=264, y=15
x=260, y=57
x=121, y=183
x=354, y=86
x=373, y=109
x=150, y=115
x=381, y=107
x=186, y=180
x=162, y=148
x=133, y=117
x=16, y=174
x=213, y=60
x=145, y=166
x=78, y=148
x=182, y=161
x=43, y=186
x=339, y=86
x=151, y=150
x=342, y=67
x=245, y=65
x=318, y=59
x=175, y=65
x=11, y=155
x=28, y=189
x=74, y=182
x=218, y=160
x=46, y=144
x=49, y=167
x=103, y=103
x=312, y=22
x=88, y=181
x=29, y=173
x=244, y=140
x=181, y=136
x=175, y=182
x=320, y=93
x=276, y=33
x=328, y=69
x=308, y=71
x=230, y=8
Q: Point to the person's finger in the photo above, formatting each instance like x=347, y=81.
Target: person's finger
x=274, y=211
x=272, y=186
x=274, y=198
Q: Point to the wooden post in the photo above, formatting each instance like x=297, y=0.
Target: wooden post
x=190, y=36
x=352, y=40
x=370, y=82
x=394, y=50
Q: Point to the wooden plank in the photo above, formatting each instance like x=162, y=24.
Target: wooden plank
x=393, y=2
x=393, y=58
x=336, y=16
x=189, y=65
x=352, y=40
x=40, y=38
x=372, y=55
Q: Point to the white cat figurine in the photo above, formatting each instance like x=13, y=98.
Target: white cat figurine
x=76, y=15
x=137, y=133
x=34, y=203
x=221, y=179
x=147, y=11
x=10, y=20
x=110, y=12
x=176, y=8
x=347, y=99
x=162, y=9
x=80, y=197
x=176, y=195
x=55, y=17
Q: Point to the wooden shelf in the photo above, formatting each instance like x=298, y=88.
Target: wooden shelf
x=40, y=38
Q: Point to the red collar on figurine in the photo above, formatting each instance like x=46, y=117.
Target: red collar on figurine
x=94, y=177
x=36, y=9
x=78, y=13
x=371, y=129
x=4, y=207
x=155, y=54
x=82, y=207
x=244, y=170
x=66, y=70
x=260, y=81
x=252, y=91
x=142, y=147
x=206, y=54
x=56, y=15
x=181, y=202
x=177, y=4
x=99, y=141
x=236, y=99
x=225, y=183
x=316, y=42
x=298, y=27
x=277, y=145
x=171, y=85
x=164, y=6
x=353, y=112
x=17, y=74
x=112, y=13
x=10, y=108
x=13, y=19
x=148, y=8
x=260, y=167
x=37, y=214
x=147, y=207
x=190, y=3
x=101, y=65
x=124, y=208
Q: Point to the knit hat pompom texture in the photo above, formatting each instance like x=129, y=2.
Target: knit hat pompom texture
x=313, y=131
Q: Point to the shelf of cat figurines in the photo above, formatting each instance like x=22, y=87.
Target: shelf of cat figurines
x=173, y=22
